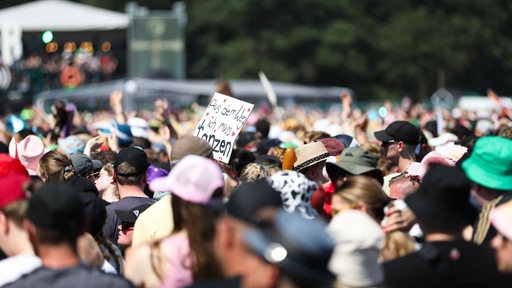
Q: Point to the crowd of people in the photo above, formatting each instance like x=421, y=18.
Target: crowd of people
x=118, y=198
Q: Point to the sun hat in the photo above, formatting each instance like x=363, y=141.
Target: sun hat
x=135, y=157
x=248, y=198
x=296, y=191
x=29, y=151
x=400, y=131
x=309, y=154
x=358, y=239
x=16, y=184
x=356, y=161
x=501, y=219
x=194, y=179
x=299, y=247
x=490, y=163
x=190, y=145
x=71, y=144
x=442, y=201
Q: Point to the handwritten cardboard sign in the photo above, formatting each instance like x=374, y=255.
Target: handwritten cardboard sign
x=221, y=122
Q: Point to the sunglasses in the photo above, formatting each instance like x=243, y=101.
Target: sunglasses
x=126, y=226
x=94, y=175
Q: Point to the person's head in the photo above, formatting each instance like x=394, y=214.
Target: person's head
x=196, y=184
x=55, y=215
x=9, y=165
x=361, y=193
x=128, y=218
x=296, y=191
x=71, y=144
x=252, y=172
x=441, y=203
x=501, y=219
x=311, y=159
x=353, y=161
x=155, y=172
x=294, y=249
x=489, y=167
x=271, y=163
x=29, y=151
x=399, y=140
x=56, y=166
x=130, y=167
x=262, y=128
x=106, y=179
x=190, y=145
x=242, y=213
x=13, y=204
x=402, y=186
x=332, y=145
x=223, y=87
x=311, y=136
x=358, y=239
x=83, y=166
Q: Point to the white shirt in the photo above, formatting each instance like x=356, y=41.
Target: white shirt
x=14, y=267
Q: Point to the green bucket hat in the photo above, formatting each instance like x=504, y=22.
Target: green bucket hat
x=490, y=163
x=355, y=161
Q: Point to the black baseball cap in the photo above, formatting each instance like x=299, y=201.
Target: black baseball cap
x=249, y=198
x=400, y=131
x=130, y=216
x=135, y=157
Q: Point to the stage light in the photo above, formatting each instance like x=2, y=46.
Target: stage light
x=47, y=36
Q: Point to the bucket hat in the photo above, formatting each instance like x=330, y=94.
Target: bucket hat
x=490, y=163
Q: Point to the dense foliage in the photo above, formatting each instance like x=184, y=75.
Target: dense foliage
x=381, y=49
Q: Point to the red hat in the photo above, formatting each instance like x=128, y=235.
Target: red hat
x=10, y=165
x=16, y=191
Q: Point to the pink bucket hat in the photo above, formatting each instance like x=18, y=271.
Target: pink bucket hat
x=193, y=179
x=29, y=151
x=501, y=219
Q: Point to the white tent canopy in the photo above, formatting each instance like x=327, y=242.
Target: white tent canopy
x=59, y=15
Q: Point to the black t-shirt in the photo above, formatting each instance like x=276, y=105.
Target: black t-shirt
x=76, y=277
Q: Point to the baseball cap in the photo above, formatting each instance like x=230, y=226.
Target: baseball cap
x=130, y=216
x=56, y=206
x=16, y=184
x=250, y=197
x=81, y=163
x=400, y=131
x=194, y=179
x=135, y=157
x=190, y=145
x=298, y=246
x=356, y=161
x=9, y=165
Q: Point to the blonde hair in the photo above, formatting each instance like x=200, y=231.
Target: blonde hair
x=367, y=190
x=56, y=166
x=253, y=172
